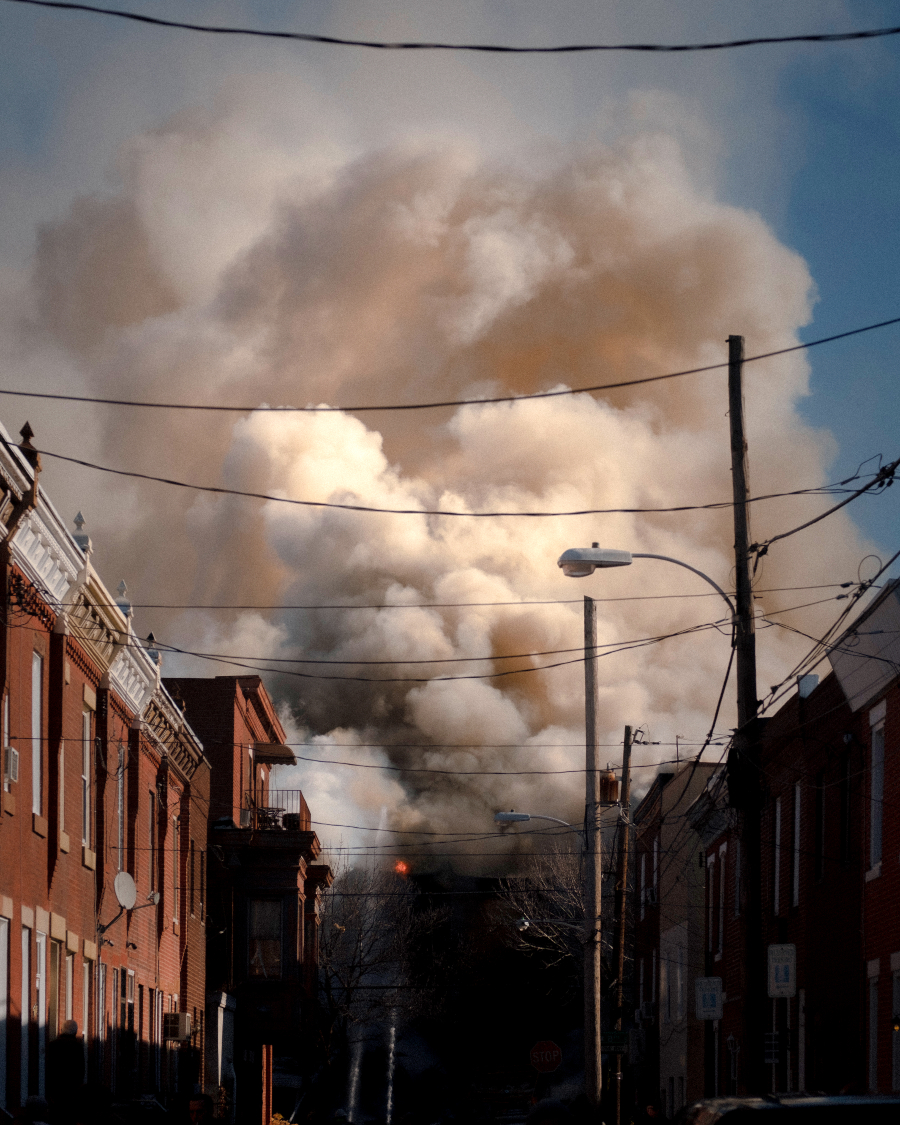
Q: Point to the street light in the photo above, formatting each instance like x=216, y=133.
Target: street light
x=581, y=562
x=520, y=818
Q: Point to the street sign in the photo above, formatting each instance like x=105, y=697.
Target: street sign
x=708, y=998
x=545, y=1056
x=782, y=970
x=616, y=1042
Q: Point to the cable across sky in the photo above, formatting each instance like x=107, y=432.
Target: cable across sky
x=484, y=48
x=437, y=405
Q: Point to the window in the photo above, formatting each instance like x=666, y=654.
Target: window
x=151, y=839
x=100, y=1014
x=40, y=989
x=4, y=1003
x=795, y=882
x=5, y=741
x=876, y=794
x=895, y=1035
x=656, y=864
x=62, y=785
x=176, y=862
x=264, y=946
x=202, y=885
x=873, y=1033
x=25, y=1022
x=845, y=809
x=721, y=942
x=37, y=731
x=55, y=969
x=819, y=854
x=776, y=859
x=68, y=1008
x=643, y=881
x=120, y=808
x=192, y=860
x=737, y=876
x=85, y=1004
x=86, y=778
x=710, y=901
x=114, y=1027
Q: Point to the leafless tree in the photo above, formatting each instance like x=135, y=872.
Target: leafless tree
x=549, y=896
x=380, y=950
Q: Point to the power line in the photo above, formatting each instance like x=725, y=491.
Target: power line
x=452, y=605
x=884, y=477
x=269, y=497
x=486, y=48
x=365, y=408
x=241, y=662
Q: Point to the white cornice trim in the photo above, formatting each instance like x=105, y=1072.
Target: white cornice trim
x=49, y=564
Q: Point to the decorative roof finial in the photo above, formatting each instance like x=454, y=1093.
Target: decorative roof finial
x=81, y=537
x=28, y=451
x=122, y=600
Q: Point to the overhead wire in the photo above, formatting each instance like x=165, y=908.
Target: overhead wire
x=270, y=497
x=403, y=406
x=490, y=48
x=449, y=605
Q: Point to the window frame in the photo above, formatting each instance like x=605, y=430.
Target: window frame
x=37, y=732
x=251, y=939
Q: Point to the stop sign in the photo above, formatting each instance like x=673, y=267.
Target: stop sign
x=545, y=1056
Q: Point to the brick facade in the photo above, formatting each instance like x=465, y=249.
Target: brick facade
x=111, y=784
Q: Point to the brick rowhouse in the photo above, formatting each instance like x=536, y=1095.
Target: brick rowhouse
x=265, y=895
x=102, y=775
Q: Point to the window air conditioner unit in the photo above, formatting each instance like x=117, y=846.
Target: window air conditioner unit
x=177, y=1026
x=650, y=896
x=10, y=764
x=648, y=1010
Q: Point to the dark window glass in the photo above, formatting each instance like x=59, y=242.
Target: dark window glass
x=265, y=938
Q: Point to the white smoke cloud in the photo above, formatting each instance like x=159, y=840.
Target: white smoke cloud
x=231, y=267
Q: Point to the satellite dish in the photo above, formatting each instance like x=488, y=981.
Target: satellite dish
x=126, y=892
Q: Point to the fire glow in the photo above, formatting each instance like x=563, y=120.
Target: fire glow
x=401, y=867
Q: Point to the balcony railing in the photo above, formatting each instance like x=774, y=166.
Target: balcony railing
x=276, y=810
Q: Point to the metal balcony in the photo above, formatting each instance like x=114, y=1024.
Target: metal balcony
x=276, y=810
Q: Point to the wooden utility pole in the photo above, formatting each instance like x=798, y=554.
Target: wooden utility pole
x=744, y=757
x=621, y=899
x=593, y=1074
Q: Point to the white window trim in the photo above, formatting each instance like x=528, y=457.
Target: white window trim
x=798, y=820
x=37, y=732
x=776, y=860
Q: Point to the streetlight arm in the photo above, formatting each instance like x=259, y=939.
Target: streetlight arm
x=518, y=818
x=555, y=819
x=706, y=578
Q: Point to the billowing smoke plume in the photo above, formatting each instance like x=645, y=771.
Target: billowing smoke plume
x=418, y=273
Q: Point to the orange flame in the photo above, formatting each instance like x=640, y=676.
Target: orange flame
x=401, y=867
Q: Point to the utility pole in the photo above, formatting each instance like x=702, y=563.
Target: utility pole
x=593, y=1074
x=744, y=757
x=621, y=899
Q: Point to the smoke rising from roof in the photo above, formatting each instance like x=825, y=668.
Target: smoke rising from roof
x=411, y=272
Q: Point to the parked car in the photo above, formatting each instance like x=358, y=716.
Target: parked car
x=793, y=1109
